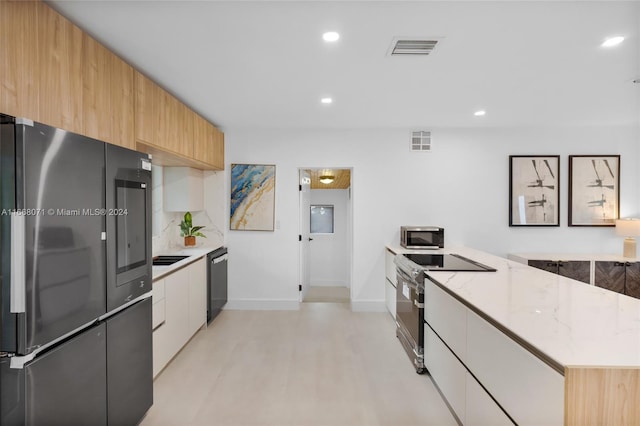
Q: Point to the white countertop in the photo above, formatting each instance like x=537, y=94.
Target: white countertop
x=569, y=322
x=193, y=253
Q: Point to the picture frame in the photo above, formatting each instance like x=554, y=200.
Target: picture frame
x=252, y=197
x=594, y=190
x=534, y=190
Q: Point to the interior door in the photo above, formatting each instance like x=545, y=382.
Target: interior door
x=304, y=232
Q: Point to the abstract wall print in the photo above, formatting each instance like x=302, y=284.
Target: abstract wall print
x=252, y=197
x=594, y=190
x=534, y=190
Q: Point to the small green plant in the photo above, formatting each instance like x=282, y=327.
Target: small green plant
x=187, y=229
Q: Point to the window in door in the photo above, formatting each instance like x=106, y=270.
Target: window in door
x=321, y=219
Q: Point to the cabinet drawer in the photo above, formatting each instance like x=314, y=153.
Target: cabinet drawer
x=157, y=314
x=481, y=410
x=389, y=266
x=158, y=290
x=447, y=317
x=446, y=370
x=527, y=388
x=390, y=297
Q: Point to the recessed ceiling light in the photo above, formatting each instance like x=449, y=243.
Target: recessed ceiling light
x=479, y=113
x=326, y=100
x=330, y=36
x=613, y=41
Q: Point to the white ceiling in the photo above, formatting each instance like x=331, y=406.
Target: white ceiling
x=263, y=64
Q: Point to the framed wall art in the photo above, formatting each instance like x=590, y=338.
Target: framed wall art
x=252, y=197
x=534, y=190
x=594, y=190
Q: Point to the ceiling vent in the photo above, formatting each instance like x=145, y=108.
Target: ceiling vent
x=421, y=141
x=413, y=46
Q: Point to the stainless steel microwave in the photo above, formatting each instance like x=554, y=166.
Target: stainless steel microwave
x=422, y=237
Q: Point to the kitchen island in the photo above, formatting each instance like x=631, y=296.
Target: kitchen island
x=525, y=346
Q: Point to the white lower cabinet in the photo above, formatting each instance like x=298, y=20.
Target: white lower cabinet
x=527, y=388
x=481, y=410
x=390, y=282
x=197, y=295
x=157, y=310
x=447, y=316
x=490, y=374
x=390, y=297
x=445, y=369
x=185, y=311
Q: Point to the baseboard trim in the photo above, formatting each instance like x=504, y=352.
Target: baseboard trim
x=368, y=306
x=262, y=305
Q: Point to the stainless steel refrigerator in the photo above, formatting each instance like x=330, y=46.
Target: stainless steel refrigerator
x=75, y=271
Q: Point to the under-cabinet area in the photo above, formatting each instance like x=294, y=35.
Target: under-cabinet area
x=615, y=273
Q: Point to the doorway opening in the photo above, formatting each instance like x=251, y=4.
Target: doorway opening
x=326, y=235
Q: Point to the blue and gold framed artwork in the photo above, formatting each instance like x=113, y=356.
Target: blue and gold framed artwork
x=253, y=190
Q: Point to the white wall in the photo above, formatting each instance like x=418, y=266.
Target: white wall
x=329, y=255
x=462, y=185
x=166, y=234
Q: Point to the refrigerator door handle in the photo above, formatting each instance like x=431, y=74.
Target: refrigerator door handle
x=18, y=278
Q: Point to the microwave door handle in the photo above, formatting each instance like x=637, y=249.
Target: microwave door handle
x=18, y=278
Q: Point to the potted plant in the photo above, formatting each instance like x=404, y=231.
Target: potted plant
x=190, y=232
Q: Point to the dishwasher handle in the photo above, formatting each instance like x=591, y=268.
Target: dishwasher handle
x=222, y=258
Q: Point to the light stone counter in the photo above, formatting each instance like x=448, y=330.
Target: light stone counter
x=193, y=253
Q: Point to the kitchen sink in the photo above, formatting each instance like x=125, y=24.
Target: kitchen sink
x=167, y=260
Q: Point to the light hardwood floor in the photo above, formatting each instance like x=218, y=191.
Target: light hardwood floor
x=322, y=365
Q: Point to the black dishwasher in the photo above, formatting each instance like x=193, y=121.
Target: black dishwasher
x=216, y=282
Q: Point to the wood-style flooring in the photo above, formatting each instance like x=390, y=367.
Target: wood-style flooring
x=324, y=294
x=322, y=365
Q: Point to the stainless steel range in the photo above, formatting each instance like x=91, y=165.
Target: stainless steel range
x=410, y=271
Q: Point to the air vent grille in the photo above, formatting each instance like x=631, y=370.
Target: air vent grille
x=413, y=47
x=421, y=141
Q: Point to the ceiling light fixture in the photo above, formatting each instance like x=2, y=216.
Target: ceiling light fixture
x=479, y=113
x=326, y=179
x=326, y=100
x=613, y=41
x=330, y=36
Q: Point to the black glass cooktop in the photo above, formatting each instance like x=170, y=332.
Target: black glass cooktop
x=447, y=262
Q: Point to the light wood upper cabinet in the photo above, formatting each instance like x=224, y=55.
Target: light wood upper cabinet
x=161, y=120
x=165, y=126
x=96, y=99
x=208, y=143
x=145, y=101
x=107, y=95
x=60, y=71
x=54, y=73
x=122, y=98
x=19, y=69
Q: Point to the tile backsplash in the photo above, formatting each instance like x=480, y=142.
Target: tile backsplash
x=166, y=229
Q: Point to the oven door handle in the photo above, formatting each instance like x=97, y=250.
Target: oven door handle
x=406, y=277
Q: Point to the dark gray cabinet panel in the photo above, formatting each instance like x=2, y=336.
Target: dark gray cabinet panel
x=632, y=283
x=579, y=270
x=610, y=275
x=621, y=277
x=575, y=269
x=545, y=265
